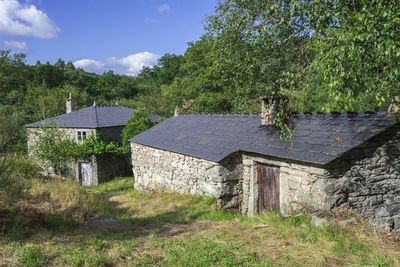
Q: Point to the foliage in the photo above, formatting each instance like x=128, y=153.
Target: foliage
x=16, y=172
x=31, y=257
x=52, y=146
x=12, y=184
x=11, y=132
x=96, y=146
x=139, y=122
x=327, y=55
x=254, y=46
x=358, y=51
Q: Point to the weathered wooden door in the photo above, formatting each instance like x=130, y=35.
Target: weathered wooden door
x=86, y=173
x=268, y=187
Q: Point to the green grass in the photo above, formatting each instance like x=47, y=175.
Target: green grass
x=31, y=257
x=166, y=229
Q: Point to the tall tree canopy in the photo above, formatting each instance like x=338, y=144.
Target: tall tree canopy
x=341, y=54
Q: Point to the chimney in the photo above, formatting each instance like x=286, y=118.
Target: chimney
x=394, y=105
x=70, y=104
x=271, y=105
x=176, y=112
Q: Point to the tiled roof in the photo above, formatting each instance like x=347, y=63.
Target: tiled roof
x=92, y=117
x=318, y=138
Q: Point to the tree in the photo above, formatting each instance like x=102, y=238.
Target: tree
x=52, y=147
x=256, y=46
x=139, y=122
x=326, y=54
x=358, y=52
x=13, y=76
x=11, y=184
x=11, y=132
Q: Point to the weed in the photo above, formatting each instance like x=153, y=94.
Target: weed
x=31, y=257
x=211, y=200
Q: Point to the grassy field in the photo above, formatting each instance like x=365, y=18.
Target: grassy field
x=58, y=225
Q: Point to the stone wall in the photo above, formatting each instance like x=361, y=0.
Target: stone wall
x=301, y=185
x=156, y=169
x=367, y=180
x=110, y=166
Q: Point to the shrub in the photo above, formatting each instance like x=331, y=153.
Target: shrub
x=15, y=173
x=23, y=166
x=11, y=184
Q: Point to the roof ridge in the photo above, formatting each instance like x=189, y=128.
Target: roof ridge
x=97, y=119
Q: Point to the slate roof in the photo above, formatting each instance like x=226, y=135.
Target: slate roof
x=92, y=117
x=318, y=138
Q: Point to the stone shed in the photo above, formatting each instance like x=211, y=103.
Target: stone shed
x=106, y=121
x=333, y=160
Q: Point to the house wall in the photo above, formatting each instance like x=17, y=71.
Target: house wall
x=365, y=180
x=156, y=169
x=104, y=167
x=300, y=184
x=68, y=133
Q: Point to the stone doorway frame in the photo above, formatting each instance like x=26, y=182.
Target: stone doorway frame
x=252, y=161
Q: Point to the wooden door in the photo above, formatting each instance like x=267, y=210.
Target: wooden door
x=86, y=173
x=268, y=187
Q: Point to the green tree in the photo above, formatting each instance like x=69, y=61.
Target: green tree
x=326, y=55
x=11, y=131
x=139, y=122
x=53, y=147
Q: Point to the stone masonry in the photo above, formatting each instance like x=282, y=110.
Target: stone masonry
x=156, y=169
x=365, y=180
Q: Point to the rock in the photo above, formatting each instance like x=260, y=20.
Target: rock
x=107, y=221
x=348, y=222
x=317, y=221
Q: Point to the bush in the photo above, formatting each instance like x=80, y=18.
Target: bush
x=23, y=166
x=15, y=173
x=11, y=184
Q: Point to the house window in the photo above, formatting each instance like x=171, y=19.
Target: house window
x=80, y=136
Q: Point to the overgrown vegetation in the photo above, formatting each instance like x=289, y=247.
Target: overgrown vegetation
x=59, y=224
x=16, y=173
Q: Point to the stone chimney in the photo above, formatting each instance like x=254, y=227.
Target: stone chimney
x=176, y=112
x=394, y=105
x=70, y=104
x=271, y=105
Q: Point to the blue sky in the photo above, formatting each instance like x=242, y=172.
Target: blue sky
x=97, y=35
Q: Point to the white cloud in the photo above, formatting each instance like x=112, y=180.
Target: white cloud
x=164, y=7
x=25, y=20
x=133, y=64
x=16, y=45
x=130, y=65
x=90, y=65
